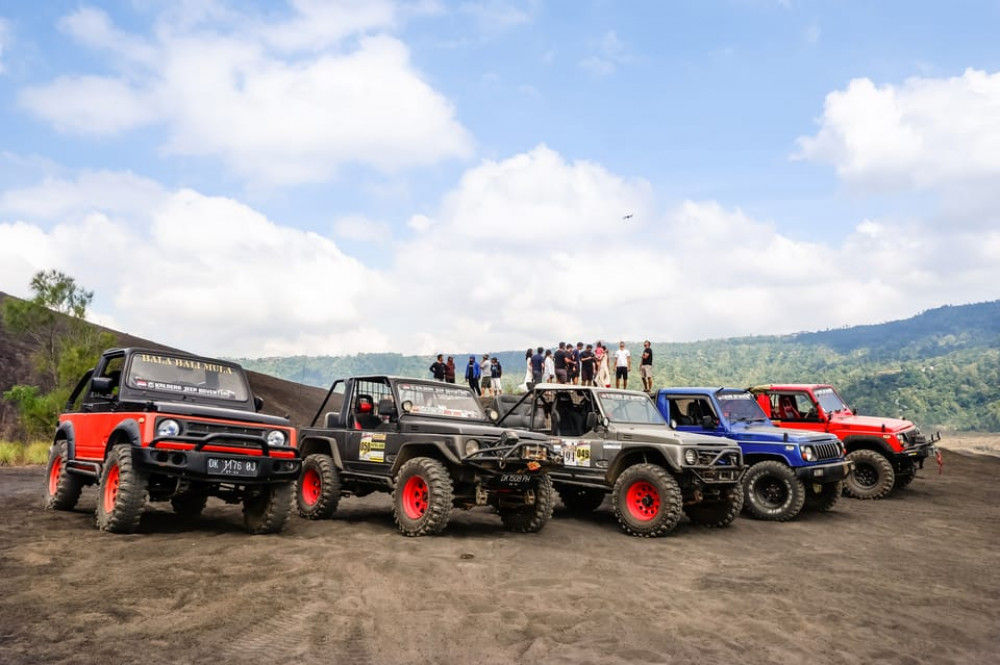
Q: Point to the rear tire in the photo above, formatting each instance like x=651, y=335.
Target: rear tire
x=772, y=492
x=580, y=500
x=122, y=492
x=318, y=489
x=62, y=489
x=717, y=514
x=530, y=518
x=422, y=498
x=873, y=476
x=266, y=509
x=647, y=501
x=827, y=497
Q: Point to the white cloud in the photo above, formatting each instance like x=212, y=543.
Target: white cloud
x=925, y=133
x=286, y=102
x=497, y=15
x=359, y=227
x=610, y=52
x=125, y=195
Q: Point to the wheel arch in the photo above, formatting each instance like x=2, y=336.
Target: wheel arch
x=433, y=449
x=754, y=458
x=321, y=445
x=638, y=456
x=127, y=431
x=65, y=432
x=853, y=443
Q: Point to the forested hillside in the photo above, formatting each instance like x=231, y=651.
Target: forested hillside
x=940, y=368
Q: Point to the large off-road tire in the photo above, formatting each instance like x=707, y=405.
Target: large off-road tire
x=873, y=476
x=422, y=498
x=62, y=489
x=318, y=490
x=531, y=518
x=826, y=498
x=905, y=474
x=266, y=509
x=189, y=504
x=122, y=493
x=647, y=501
x=719, y=513
x=580, y=500
x=772, y=492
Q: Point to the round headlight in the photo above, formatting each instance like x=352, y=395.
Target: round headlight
x=276, y=438
x=808, y=454
x=471, y=447
x=690, y=456
x=168, y=427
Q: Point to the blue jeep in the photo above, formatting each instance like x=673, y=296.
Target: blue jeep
x=789, y=469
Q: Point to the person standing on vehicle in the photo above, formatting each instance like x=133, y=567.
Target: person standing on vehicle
x=623, y=363
x=537, y=366
x=449, y=372
x=438, y=368
x=496, y=371
x=646, y=367
x=472, y=374
x=486, y=376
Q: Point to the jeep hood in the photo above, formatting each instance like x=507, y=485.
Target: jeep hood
x=185, y=409
x=866, y=424
x=759, y=433
x=663, y=435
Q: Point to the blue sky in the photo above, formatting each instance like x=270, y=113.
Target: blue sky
x=267, y=178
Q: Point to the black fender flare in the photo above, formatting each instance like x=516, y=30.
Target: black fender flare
x=438, y=450
x=323, y=445
x=66, y=432
x=637, y=455
x=126, y=430
x=867, y=442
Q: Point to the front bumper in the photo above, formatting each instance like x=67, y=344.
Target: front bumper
x=920, y=450
x=219, y=467
x=825, y=473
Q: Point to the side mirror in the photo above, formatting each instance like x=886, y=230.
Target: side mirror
x=258, y=403
x=102, y=385
x=591, y=421
x=386, y=407
x=707, y=422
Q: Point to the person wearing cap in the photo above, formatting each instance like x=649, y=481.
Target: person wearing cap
x=485, y=372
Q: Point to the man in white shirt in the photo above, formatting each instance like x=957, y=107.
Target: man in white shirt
x=623, y=363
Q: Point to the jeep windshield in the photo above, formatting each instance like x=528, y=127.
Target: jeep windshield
x=632, y=409
x=188, y=377
x=741, y=407
x=446, y=401
x=830, y=400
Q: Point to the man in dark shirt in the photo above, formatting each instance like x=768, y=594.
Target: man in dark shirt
x=575, y=368
x=587, y=361
x=438, y=368
x=537, y=365
x=646, y=367
x=559, y=357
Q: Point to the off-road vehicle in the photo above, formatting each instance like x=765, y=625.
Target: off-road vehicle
x=151, y=425
x=788, y=470
x=615, y=441
x=431, y=445
x=886, y=451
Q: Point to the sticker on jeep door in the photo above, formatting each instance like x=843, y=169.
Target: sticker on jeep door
x=372, y=447
x=576, y=453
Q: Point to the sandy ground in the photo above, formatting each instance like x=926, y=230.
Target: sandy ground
x=912, y=579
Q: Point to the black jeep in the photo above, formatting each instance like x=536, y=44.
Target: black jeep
x=429, y=443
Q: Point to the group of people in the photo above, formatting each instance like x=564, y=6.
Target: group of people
x=588, y=365
x=483, y=377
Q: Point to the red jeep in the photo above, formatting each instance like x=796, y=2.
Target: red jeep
x=886, y=451
x=149, y=425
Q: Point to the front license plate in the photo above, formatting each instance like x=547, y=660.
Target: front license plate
x=244, y=468
x=515, y=479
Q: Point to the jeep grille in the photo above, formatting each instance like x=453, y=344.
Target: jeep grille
x=198, y=428
x=829, y=450
x=706, y=458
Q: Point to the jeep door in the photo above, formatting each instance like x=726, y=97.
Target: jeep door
x=794, y=409
x=573, y=416
x=98, y=415
x=688, y=413
x=372, y=437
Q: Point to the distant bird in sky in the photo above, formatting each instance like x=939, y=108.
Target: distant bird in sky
x=628, y=216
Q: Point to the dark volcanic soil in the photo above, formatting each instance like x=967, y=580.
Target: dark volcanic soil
x=911, y=579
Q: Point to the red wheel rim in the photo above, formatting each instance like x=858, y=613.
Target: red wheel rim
x=643, y=501
x=54, y=475
x=111, y=488
x=312, y=487
x=415, y=498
